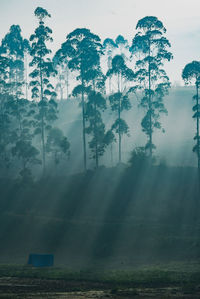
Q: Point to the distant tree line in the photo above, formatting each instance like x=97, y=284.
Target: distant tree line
x=100, y=75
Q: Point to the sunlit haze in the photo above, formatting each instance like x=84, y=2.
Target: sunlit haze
x=110, y=18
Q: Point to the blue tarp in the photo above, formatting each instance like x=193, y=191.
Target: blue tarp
x=41, y=260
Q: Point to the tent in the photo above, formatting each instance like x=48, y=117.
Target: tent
x=41, y=260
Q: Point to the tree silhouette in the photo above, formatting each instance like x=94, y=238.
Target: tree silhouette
x=57, y=145
x=150, y=42
x=191, y=74
x=109, y=47
x=120, y=101
x=84, y=50
x=123, y=46
x=96, y=128
x=63, y=73
x=6, y=132
x=15, y=47
x=42, y=89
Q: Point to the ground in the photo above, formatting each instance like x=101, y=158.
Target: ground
x=25, y=282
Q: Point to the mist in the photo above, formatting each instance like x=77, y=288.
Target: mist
x=99, y=150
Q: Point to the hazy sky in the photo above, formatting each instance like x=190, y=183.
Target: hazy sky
x=108, y=18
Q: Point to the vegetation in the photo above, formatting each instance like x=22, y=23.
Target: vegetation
x=151, y=77
x=78, y=178
x=190, y=73
x=80, y=56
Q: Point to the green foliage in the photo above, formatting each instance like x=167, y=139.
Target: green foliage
x=96, y=128
x=13, y=43
x=14, y=47
x=6, y=132
x=42, y=89
x=60, y=62
x=24, y=150
x=41, y=13
x=84, y=49
x=119, y=68
x=45, y=114
x=191, y=74
x=120, y=127
x=120, y=40
x=139, y=159
x=152, y=79
x=43, y=66
x=57, y=145
x=118, y=100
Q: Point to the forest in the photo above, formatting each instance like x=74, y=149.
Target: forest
x=99, y=160
x=106, y=80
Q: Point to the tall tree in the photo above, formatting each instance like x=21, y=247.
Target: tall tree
x=120, y=101
x=57, y=145
x=27, y=49
x=191, y=75
x=63, y=73
x=42, y=89
x=96, y=104
x=153, y=46
x=109, y=47
x=23, y=122
x=123, y=46
x=15, y=47
x=83, y=49
x=6, y=132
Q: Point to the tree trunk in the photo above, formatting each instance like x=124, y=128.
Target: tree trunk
x=67, y=81
x=198, y=145
x=42, y=122
x=61, y=88
x=84, y=138
x=110, y=90
x=111, y=154
x=119, y=119
x=96, y=138
x=150, y=105
x=26, y=75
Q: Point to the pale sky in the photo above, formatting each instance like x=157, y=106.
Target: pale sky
x=108, y=18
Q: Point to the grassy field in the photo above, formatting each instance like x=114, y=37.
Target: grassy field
x=175, y=280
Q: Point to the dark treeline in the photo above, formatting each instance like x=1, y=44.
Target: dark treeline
x=102, y=76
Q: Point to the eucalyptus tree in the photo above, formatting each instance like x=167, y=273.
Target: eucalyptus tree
x=57, y=145
x=15, y=47
x=63, y=73
x=27, y=50
x=83, y=49
x=109, y=47
x=123, y=46
x=152, y=79
x=6, y=132
x=23, y=149
x=119, y=100
x=42, y=89
x=96, y=104
x=27, y=153
x=191, y=75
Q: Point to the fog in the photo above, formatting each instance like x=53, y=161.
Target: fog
x=99, y=146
